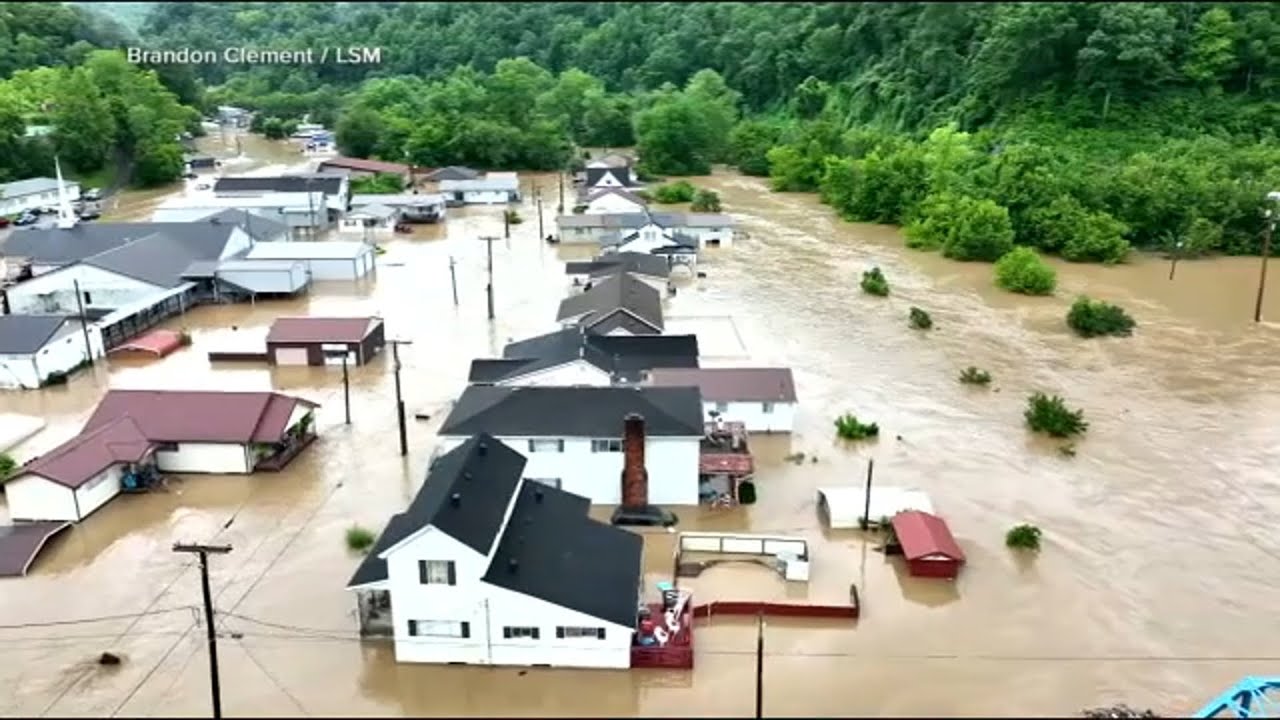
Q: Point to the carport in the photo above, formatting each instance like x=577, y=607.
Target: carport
x=157, y=342
x=842, y=507
x=19, y=545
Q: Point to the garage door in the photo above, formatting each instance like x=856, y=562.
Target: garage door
x=291, y=356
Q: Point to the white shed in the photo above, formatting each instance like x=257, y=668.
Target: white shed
x=32, y=347
x=844, y=506
x=370, y=221
x=325, y=260
x=272, y=277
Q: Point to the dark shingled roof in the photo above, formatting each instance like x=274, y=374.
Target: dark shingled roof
x=573, y=411
x=259, y=228
x=596, y=175
x=631, y=262
x=623, y=357
x=622, y=292
x=452, y=172
x=55, y=246
x=328, y=184
x=162, y=258
x=482, y=474
x=25, y=334
x=553, y=551
x=19, y=544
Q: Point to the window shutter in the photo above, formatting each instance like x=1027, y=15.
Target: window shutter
x=535, y=630
x=560, y=632
x=422, y=572
x=413, y=628
x=506, y=633
x=453, y=573
x=466, y=629
x=600, y=633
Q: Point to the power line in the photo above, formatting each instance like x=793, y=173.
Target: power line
x=100, y=618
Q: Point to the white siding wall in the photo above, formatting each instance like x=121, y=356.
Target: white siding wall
x=510, y=609
x=237, y=242
x=344, y=269
x=219, y=458
x=267, y=280
x=100, y=490
x=32, y=497
x=54, y=292
x=611, y=203
x=578, y=372
x=485, y=197
x=582, y=235
x=63, y=353
x=752, y=414
x=31, y=201
x=412, y=600
x=672, y=463
x=724, y=234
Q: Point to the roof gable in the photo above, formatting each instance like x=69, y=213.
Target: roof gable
x=619, y=291
x=924, y=534
x=83, y=457
x=537, y=411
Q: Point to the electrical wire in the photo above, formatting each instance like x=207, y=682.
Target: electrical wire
x=100, y=618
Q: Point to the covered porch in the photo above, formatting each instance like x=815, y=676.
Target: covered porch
x=373, y=610
x=725, y=466
x=273, y=457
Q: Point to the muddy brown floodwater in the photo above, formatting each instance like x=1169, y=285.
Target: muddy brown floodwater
x=1151, y=589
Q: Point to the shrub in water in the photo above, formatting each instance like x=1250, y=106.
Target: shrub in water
x=681, y=191
x=7, y=465
x=1051, y=415
x=1022, y=270
x=359, y=539
x=874, y=282
x=1093, y=318
x=849, y=428
x=1023, y=537
x=705, y=201
x=513, y=217
x=920, y=319
x=975, y=376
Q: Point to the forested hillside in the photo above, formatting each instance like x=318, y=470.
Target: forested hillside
x=1077, y=128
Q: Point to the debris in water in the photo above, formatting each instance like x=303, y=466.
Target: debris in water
x=1068, y=450
x=421, y=416
x=107, y=658
x=1118, y=711
x=796, y=457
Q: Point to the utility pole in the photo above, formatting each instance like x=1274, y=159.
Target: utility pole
x=866, y=504
x=1173, y=260
x=203, y=551
x=311, y=212
x=404, y=431
x=1266, y=253
x=346, y=379
x=560, y=208
x=760, y=665
x=537, y=193
x=453, y=280
x=506, y=223
x=489, y=240
x=84, y=322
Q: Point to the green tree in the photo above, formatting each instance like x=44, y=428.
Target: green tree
x=705, y=201
x=1129, y=51
x=84, y=130
x=359, y=131
x=750, y=143
x=1022, y=270
x=1212, y=56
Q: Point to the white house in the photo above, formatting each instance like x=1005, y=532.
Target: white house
x=370, y=221
x=613, y=200
x=762, y=399
x=602, y=174
x=707, y=229
x=492, y=189
x=34, y=193
x=572, y=435
x=574, y=356
x=336, y=188
x=32, y=347
x=487, y=568
x=325, y=260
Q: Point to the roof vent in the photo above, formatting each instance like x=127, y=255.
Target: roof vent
x=537, y=495
x=456, y=499
x=513, y=564
x=482, y=449
x=466, y=475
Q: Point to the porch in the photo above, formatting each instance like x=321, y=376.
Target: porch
x=373, y=611
x=273, y=457
x=725, y=466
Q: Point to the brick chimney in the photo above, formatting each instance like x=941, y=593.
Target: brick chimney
x=635, y=478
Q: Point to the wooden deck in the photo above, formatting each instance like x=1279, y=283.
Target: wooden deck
x=280, y=460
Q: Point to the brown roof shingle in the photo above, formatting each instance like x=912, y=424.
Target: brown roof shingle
x=200, y=415
x=80, y=459
x=731, y=384
x=321, y=329
x=19, y=544
x=376, y=166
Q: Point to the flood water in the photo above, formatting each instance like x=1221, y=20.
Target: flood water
x=1150, y=589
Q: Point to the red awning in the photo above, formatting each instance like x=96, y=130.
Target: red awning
x=156, y=342
x=924, y=535
x=725, y=464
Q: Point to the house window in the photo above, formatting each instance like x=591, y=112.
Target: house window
x=595, y=633
x=549, y=482
x=602, y=446
x=766, y=407
x=546, y=446
x=513, y=633
x=88, y=299
x=439, y=628
x=437, y=572
x=722, y=407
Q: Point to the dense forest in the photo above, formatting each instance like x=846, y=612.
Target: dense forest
x=1079, y=129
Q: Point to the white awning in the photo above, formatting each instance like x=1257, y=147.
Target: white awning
x=843, y=506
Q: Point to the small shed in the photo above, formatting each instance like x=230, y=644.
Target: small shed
x=927, y=544
x=159, y=343
x=321, y=341
x=370, y=220
x=843, y=506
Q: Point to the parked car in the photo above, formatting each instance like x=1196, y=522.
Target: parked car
x=92, y=194
x=4, y=222
x=26, y=218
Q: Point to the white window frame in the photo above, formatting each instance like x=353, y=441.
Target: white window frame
x=439, y=628
x=766, y=407
x=520, y=632
x=435, y=572
x=606, y=445
x=541, y=445
x=571, y=632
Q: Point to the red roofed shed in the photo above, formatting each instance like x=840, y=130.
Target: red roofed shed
x=927, y=545
x=323, y=341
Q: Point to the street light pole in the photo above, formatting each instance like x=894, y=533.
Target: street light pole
x=1273, y=197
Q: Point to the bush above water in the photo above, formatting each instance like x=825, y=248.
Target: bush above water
x=1094, y=318
x=1023, y=537
x=848, y=427
x=1022, y=270
x=919, y=319
x=1050, y=415
x=681, y=191
x=975, y=376
x=359, y=539
x=874, y=283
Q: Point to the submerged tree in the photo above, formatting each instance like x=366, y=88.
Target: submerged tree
x=1050, y=415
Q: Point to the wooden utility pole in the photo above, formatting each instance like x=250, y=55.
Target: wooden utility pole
x=506, y=223
x=1173, y=259
x=560, y=208
x=760, y=665
x=537, y=193
x=453, y=280
x=1266, y=253
x=84, y=321
x=203, y=551
x=404, y=431
x=346, y=387
x=866, y=503
x=489, y=240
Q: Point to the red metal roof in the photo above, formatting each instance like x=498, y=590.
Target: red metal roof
x=321, y=329
x=923, y=535
x=156, y=342
x=80, y=459
x=200, y=415
x=376, y=166
x=19, y=544
x=731, y=384
x=725, y=463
